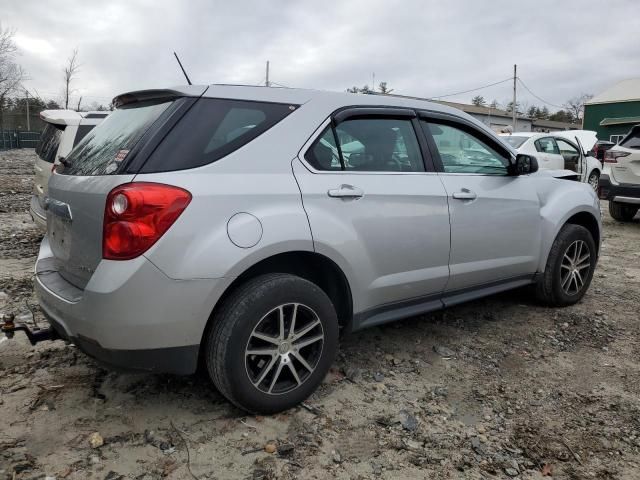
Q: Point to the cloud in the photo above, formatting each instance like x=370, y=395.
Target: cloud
x=424, y=48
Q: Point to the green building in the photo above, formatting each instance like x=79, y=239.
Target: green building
x=613, y=112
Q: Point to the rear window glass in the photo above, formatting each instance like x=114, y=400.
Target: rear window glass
x=212, y=129
x=82, y=132
x=515, y=142
x=632, y=140
x=104, y=149
x=49, y=142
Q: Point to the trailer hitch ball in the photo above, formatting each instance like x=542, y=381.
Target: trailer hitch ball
x=9, y=327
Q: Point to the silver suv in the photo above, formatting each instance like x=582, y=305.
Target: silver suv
x=245, y=227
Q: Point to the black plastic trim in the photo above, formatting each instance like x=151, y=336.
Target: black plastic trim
x=608, y=190
x=146, y=95
x=175, y=360
x=154, y=136
x=429, y=303
x=349, y=113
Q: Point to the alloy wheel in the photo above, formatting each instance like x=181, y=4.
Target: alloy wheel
x=593, y=181
x=574, y=268
x=284, y=348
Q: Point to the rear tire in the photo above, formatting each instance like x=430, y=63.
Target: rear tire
x=569, y=267
x=268, y=315
x=622, y=212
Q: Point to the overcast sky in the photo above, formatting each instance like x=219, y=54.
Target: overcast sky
x=422, y=48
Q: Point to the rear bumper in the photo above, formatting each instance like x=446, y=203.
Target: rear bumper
x=37, y=212
x=130, y=315
x=618, y=192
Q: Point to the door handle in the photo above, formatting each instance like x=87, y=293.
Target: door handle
x=465, y=194
x=346, y=191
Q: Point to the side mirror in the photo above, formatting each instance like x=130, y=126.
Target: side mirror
x=525, y=164
x=591, y=153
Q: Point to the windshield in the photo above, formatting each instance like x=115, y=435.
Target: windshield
x=49, y=142
x=515, y=142
x=104, y=149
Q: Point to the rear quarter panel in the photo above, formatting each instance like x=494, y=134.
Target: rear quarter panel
x=198, y=244
x=255, y=179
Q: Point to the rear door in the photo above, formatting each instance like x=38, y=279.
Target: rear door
x=495, y=217
x=549, y=156
x=373, y=204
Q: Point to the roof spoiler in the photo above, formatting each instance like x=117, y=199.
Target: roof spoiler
x=158, y=94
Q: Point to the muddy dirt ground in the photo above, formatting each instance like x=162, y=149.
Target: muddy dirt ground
x=498, y=388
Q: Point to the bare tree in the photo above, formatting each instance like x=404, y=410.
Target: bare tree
x=575, y=106
x=11, y=74
x=384, y=88
x=479, y=101
x=70, y=72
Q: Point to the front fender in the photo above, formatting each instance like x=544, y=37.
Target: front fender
x=559, y=201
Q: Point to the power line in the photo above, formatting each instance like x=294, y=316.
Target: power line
x=536, y=96
x=473, y=89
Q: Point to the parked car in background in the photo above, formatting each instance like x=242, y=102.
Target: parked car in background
x=566, y=150
x=63, y=130
x=228, y=225
x=620, y=182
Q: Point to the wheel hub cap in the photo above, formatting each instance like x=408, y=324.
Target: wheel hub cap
x=574, y=268
x=284, y=348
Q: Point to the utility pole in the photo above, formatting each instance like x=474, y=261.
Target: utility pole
x=26, y=96
x=79, y=101
x=513, y=105
x=266, y=78
x=373, y=82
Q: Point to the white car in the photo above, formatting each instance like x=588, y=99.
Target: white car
x=568, y=150
x=620, y=182
x=63, y=130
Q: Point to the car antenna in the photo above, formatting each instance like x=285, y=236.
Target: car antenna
x=185, y=73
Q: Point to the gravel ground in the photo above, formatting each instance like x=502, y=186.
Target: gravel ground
x=498, y=388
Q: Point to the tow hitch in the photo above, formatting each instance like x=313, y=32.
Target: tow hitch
x=8, y=327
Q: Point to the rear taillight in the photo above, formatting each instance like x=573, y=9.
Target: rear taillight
x=612, y=156
x=137, y=215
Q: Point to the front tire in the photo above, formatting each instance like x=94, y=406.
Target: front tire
x=594, y=179
x=569, y=267
x=622, y=212
x=272, y=343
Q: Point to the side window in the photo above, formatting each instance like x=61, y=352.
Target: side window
x=82, y=132
x=462, y=152
x=379, y=145
x=547, y=145
x=323, y=154
x=568, y=151
x=632, y=140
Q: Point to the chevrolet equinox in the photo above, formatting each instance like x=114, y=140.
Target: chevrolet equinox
x=245, y=227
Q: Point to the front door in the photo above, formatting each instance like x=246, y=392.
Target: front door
x=374, y=207
x=495, y=217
